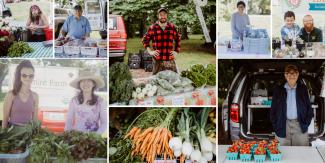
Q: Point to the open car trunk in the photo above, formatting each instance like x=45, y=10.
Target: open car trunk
x=258, y=92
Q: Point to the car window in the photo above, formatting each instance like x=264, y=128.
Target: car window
x=112, y=24
x=93, y=8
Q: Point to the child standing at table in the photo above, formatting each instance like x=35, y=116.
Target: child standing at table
x=290, y=30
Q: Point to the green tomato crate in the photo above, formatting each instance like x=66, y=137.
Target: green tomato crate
x=259, y=158
x=232, y=155
x=276, y=157
x=245, y=157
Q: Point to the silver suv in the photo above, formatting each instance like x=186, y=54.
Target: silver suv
x=245, y=111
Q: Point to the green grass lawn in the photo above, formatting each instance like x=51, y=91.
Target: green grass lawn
x=191, y=53
x=20, y=11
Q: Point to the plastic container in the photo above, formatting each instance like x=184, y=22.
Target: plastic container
x=256, y=45
x=89, y=51
x=102, y=52
x=276, y=157
x=71, y=50
x=14, y=158
x=259, y=158
x=58, y=49
x=245, y=157
x=232, y=156
x=48, y=34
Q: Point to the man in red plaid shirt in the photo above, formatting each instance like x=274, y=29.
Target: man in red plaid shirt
x=163, y=35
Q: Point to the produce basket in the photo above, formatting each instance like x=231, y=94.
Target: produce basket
x=276, y=157
x=73, y=50
x=14, y=158
x=245, y=157
x=89, y=51
x=259, y=158
x=102, y=52
x=256, y=45
x=58, y=49
x=232, y=156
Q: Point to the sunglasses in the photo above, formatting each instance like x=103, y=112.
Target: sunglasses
x=31, y=76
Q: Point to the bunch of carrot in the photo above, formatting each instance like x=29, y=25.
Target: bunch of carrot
x=150, y=142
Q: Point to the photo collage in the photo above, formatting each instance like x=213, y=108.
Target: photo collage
x=162, y=81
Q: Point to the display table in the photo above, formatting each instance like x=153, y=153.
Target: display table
x=204, y=96
x=319, y=52
x=223, y=53
x=40, y=51
x=290, y=154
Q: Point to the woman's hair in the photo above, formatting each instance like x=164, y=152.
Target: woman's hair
x=31, y=17
x=241, y=3
x=17, y=80
x=94, y=98
x=289, y=14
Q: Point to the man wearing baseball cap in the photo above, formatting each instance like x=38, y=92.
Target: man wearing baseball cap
x=291, y=111
x=166, y=43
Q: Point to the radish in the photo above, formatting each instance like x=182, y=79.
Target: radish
x=206, y=145
x=138, y=90
x=208, y=156
x=203, y=160
x=187, y=149
x=175, y=143
x=177, y=153
x=196, y=155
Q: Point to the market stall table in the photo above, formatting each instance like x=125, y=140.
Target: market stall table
x=290, y=154
x=40, y=51
x=318, y=51
x=204, y=96
x=224, y=53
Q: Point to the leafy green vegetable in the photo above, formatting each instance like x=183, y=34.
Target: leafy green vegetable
x=17, y=49
x=121, y=84
x=210, y=74
x=201, y=76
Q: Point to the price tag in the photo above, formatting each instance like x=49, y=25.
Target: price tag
x=149, y=102
x=146, y=102
x=180, y=100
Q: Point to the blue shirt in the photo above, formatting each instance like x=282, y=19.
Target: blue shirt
x=76, y=28
x=290, y=33
x=238, y=25
x=291, y=102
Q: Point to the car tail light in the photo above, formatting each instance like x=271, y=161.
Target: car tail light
x=123, y=34
x=234, y=113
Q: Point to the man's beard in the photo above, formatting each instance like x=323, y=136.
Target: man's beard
x=309, y=28
x=162, y=20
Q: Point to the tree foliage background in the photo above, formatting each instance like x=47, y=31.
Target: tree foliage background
x=140, y=14
x=255, y=7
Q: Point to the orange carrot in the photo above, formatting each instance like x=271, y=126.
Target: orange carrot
x=131, y=132
x=182, y=159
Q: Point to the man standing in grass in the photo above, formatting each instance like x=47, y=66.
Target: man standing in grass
x=163, y=35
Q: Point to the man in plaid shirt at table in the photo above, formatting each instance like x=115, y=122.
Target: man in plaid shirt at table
x=163, y=34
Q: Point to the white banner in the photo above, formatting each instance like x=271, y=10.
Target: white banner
x=51, y=83
x=303, y=6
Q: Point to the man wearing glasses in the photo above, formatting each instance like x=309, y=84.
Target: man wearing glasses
x=309, y=33
x=291, y=111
